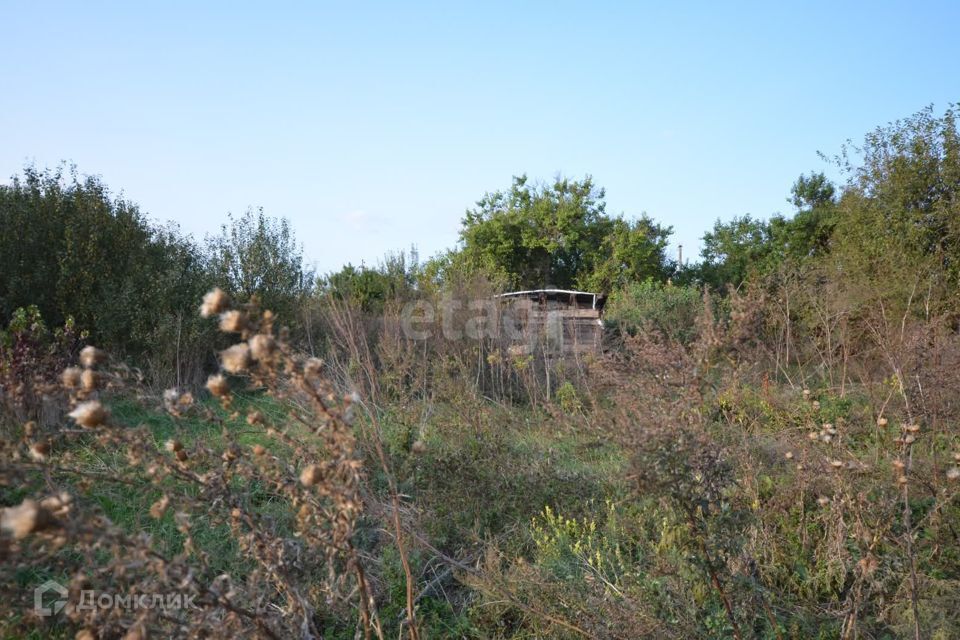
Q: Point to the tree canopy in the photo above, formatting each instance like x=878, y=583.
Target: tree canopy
x=559, y=235
x=73, y=250
x=256, y=255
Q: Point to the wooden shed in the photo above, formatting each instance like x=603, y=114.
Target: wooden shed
x=562, y=321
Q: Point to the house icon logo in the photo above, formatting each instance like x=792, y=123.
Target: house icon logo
x=53, y=594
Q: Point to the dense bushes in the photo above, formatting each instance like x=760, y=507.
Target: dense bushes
x=73, y=250
x=649, y=306
x=259, y=256
x=32, y=357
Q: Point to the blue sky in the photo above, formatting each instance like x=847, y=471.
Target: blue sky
x=372, y=127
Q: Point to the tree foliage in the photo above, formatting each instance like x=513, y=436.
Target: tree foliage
x=71, y=249
x=732, y=249
x=666, y=310
x=558, y=235
x=747, y=246
x=902, y=197
x=256, y=255
x=370, y=288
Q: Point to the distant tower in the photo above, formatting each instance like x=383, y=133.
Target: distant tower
x=680, y=255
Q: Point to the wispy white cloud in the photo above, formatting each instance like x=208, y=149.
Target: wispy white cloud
x=360, y=220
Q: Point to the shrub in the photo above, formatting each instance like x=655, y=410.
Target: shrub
x=31, y=361
x=288, y=502
x=650, y=306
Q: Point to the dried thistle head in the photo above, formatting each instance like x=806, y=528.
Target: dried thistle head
x=39, y=451
x=236, y=359
x=175, y=401
x=311, y=475
x=25, y=518
x=88, y=380
x=58, y=505
x=90, y=356
x=71, y=377
x=233, y=321
x=218, y=386
x=262, y=347
x=90, y=414
x=214, y=302
x=158, y=508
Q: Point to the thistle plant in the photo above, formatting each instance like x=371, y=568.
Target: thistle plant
x=300, y=564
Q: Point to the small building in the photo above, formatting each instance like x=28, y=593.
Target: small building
x=561, y=320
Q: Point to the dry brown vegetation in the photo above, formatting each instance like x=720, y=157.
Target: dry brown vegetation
x=701, y=496
x=778, y=458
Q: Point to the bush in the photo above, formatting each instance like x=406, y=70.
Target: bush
x=254, y=527
x=31, y=359
x=79, y=252
x=650, y=306
x=259, y=256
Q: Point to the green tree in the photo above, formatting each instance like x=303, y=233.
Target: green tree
x=557, y=235
x=813, y=192
x=72, y=249
x=733, y=250
x=370, y=288
x=255, y=255
x=632, y=251
x=745, y=246
x=902, y=195
x=808, y=233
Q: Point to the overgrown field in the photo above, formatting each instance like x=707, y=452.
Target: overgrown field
x=767, y=446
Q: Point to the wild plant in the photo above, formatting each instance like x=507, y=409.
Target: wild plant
x=285, y=491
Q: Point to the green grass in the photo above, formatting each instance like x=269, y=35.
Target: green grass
x=128, y=505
